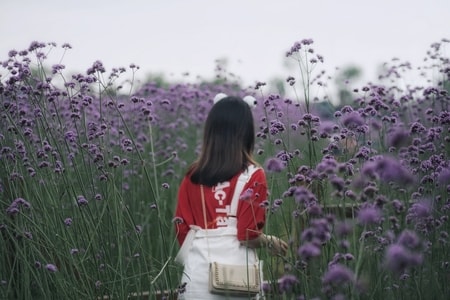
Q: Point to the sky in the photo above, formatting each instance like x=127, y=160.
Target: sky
x=173, y=37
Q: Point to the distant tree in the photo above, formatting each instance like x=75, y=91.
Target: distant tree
x=343, y=77
x=278, y=84
x=158, y=79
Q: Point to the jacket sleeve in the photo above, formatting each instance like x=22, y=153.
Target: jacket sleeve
x=183, y=213
x=251, y=214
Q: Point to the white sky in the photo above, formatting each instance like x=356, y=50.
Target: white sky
x=176, y=36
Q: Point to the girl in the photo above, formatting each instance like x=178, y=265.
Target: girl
x=204, y=199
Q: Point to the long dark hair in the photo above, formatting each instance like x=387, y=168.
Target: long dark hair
x=228, y=142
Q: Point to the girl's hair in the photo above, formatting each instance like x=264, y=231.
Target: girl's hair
x=228, y=142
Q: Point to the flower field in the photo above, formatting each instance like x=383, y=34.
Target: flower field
x=90, y=164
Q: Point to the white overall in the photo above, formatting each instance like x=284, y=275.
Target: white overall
x=223, y=247
x=220, y=245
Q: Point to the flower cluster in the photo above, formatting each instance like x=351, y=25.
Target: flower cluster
x=370, y=188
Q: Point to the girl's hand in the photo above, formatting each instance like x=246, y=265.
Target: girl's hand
x=275, y=245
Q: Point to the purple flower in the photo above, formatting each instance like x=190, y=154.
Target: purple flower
x=420, y=210
x=43, y=164
x=307, y=42
x=363, y=152
x=398, y=137
x=165, y=185
x=314, y=210
x=98, y=284
x=284, y=155
x=369, y=170
x=327, y=165
x=275, y=165
x=286, y=283
x=398, y=205
x=345, y=244
x=343, y=229
x=276, y=127
x=68, y=222
x=81, y=201
x=177, y=220
x=303, y=195
x=417, y=127
x=326, y=128
x=350, y=194
x=22, y=202
x=35, y=45
x=369, y=215
x=12, y=210
x=322, y=229
x=266, y=287
x=28, y=235
x=339, y=296
x=337, y=182
x=70, y=136
x=308, y=251
x=370, y=191
x=408, y=239
x=276, y=204
x=308, y=234
x=246, y=195
x=12, y=53
x=264, y=204
x=352, y=120
x=349, y=256
x=444, y=176
x=387, y=169
x=338, y=274
x=18, y=203
x=390, y=170
x=295, y=48
x=51, y=267
x=398, y=258
x=96, y=67
x=57, y=67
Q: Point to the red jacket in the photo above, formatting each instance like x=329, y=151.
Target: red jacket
x=251, y=211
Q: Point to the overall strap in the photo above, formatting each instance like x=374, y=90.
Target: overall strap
x=204, y=219
x=242, y=180
x=244, y=177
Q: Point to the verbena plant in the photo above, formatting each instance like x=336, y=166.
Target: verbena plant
x=89, y=175
x=90, y=165
x=362, y=196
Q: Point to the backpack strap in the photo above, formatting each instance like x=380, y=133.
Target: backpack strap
x=242, y=180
